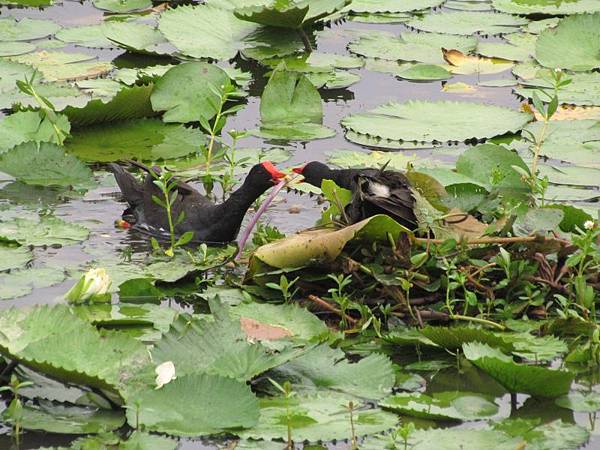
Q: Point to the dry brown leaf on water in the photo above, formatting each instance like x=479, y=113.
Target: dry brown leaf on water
x=567, y=112
x=463, y=64
x=259, y=331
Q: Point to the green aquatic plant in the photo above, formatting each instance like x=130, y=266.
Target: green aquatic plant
x=14, y=412
x=286, y=287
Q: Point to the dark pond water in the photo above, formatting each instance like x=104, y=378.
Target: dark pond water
x=99, y=208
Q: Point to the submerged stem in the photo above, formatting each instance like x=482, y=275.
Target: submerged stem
x=305, y=40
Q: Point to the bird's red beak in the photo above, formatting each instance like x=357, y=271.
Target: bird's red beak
x=276, y=175
x=299, y=170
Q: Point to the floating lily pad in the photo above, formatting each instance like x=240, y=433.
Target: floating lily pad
x=47, y=231
x=45, y=164
x=122, y=6
x=143, y=139
x=504, y=51
x=324, y=368
x=323, y=417
x=69, y=419
x=14, y=257
x=187, y=92
x=423, y=72
x=468, y=5
x=85, y=36
x=584, y=88
x=28, y=126
x=380, y=17
x=435, y=121
x=18, y=283
x=222, y=33
x=57, y=65
x=466, y=23
x=291, y=109
x=137, y=38
x=15, y=48
x=574, y=44
x=419, y=47
x=579, y=401
x=26, y=29
x=391, y=6
x=292, y=14
x=441, y=405
x=336, y=79
x=533, y=380
x=548, y=7
x=59, y=94
x=195, y=405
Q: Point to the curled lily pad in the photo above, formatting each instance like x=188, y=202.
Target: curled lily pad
x=441, y=405
x=469, y=64
x=423, y=121
x=576, y=39
x=533, y=380
x=137, y=38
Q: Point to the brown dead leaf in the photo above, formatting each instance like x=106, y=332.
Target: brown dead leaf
x=263, y=331
x=570, y=112
x=472, y=64
x=464, y=225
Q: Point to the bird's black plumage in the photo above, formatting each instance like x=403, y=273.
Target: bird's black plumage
x=208, y=221
x=374, y=191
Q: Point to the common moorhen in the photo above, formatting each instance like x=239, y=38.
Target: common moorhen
x=209, y=222
x=375, y=191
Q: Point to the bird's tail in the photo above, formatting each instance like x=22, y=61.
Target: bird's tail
x=130, y=187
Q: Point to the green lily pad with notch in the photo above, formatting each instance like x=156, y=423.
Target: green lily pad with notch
x=546, y=7
x=441, y=405
x=137, y=38
x=141, y=139
x=91, y=36
x=184, y=92
x=574, y=44
x=19, y=283
x=14, y=257
x=195, y=405
x=467, y=23
x=442, y=121
x=315, y=418
x=47, y=231
x=45, y=164
x=69, y=419
x=26, y=29
x=122, y=6
x=519, y=378
x=323, y=369
x=29, y=126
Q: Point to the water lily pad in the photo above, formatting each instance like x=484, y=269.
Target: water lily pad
x=18, y=283
x=533, y=380
x=423, y=121
x=547, y=7
x=143, y=139
x=468, y=5
x=292, y=14
x=323, y=417
x=419, y=47
x=26, y=126
x=380, y=17
x=45, y=164
x=391, y=6
x=222, y=33
x=59, y=94
x=579, y=401
x=574, y=44
x=14, y=257
x=336, y=79
x=441, y=405
x=85, y=36
x=137, y=38
x=26, y=29
x=195, y=405
x=186, y=92
x=122, y=6
x=324, y=368
x=508, y=52
x=467, y=23
x=58, y=65
x=423, y=72
x=291, y=109
x=47, y=231
x=68, y=419
x=15, y=48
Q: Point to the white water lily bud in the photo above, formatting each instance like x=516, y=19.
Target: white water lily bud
x=93, y=285
x=589, y=224
x=165, y=373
